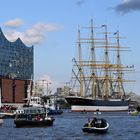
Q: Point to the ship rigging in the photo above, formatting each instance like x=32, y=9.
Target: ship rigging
x=98, y=76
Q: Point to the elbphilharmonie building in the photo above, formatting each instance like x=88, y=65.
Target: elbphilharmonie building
x=16, y=69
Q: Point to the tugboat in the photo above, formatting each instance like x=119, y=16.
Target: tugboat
x=96, y=126
x=44, y=101
x=32, y=117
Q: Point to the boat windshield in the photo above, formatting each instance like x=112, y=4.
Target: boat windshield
x=31, y=111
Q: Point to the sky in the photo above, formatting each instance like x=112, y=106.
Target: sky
x=51, y=27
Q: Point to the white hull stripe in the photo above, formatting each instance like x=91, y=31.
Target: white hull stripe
x=101, y=108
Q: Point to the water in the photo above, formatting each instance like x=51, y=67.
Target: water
x=68, y=126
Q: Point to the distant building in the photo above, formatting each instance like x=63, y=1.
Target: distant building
x=16, y=70
x=63, y=91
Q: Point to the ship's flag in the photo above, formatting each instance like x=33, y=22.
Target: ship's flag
x=115, y=33
x=103, y=25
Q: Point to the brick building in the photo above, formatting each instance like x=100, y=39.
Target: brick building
x=16, y=70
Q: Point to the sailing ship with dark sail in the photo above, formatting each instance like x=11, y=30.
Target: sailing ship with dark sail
x=98, y=72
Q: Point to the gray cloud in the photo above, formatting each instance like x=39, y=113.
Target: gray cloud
x=128, y=6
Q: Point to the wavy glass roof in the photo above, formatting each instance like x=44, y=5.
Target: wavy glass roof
x=15, y=58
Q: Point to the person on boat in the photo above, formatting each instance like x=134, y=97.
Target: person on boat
x=37, y=118
x=56, y=107
x=29, y=117
x=84, y=111
x=103, y=122
x=93, y=122
x=89, y=123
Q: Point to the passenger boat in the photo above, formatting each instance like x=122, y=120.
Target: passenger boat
x=96, y=126
x=98, y=72
x=32, y=117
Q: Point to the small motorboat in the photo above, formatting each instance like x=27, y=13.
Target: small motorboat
x=54, y=111
x=33, y=117
x=7, y=112
x=7, y=115
x=133, y=112
x=96, y=126
x=97, y=112
x=2, y=115
x=1, y=121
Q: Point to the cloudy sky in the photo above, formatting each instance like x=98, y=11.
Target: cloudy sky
x=51, y=27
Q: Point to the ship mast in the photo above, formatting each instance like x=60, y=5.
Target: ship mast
x=120, y=68
x=106, y=63
x=99, y=74
x=80, y=64
x=119, y=73
x=92, y=57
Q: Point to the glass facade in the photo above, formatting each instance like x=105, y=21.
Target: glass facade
x=16, y=59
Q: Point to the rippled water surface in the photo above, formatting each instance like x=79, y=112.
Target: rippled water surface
x=68, y=126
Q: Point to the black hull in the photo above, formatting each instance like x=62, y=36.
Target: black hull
x=28, y=123
x=91, y=102
x=96, y=128
x=79, y=104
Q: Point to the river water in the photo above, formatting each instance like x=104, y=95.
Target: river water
x=68, y=126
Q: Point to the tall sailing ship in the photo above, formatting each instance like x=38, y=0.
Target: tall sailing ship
x=98, y=73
